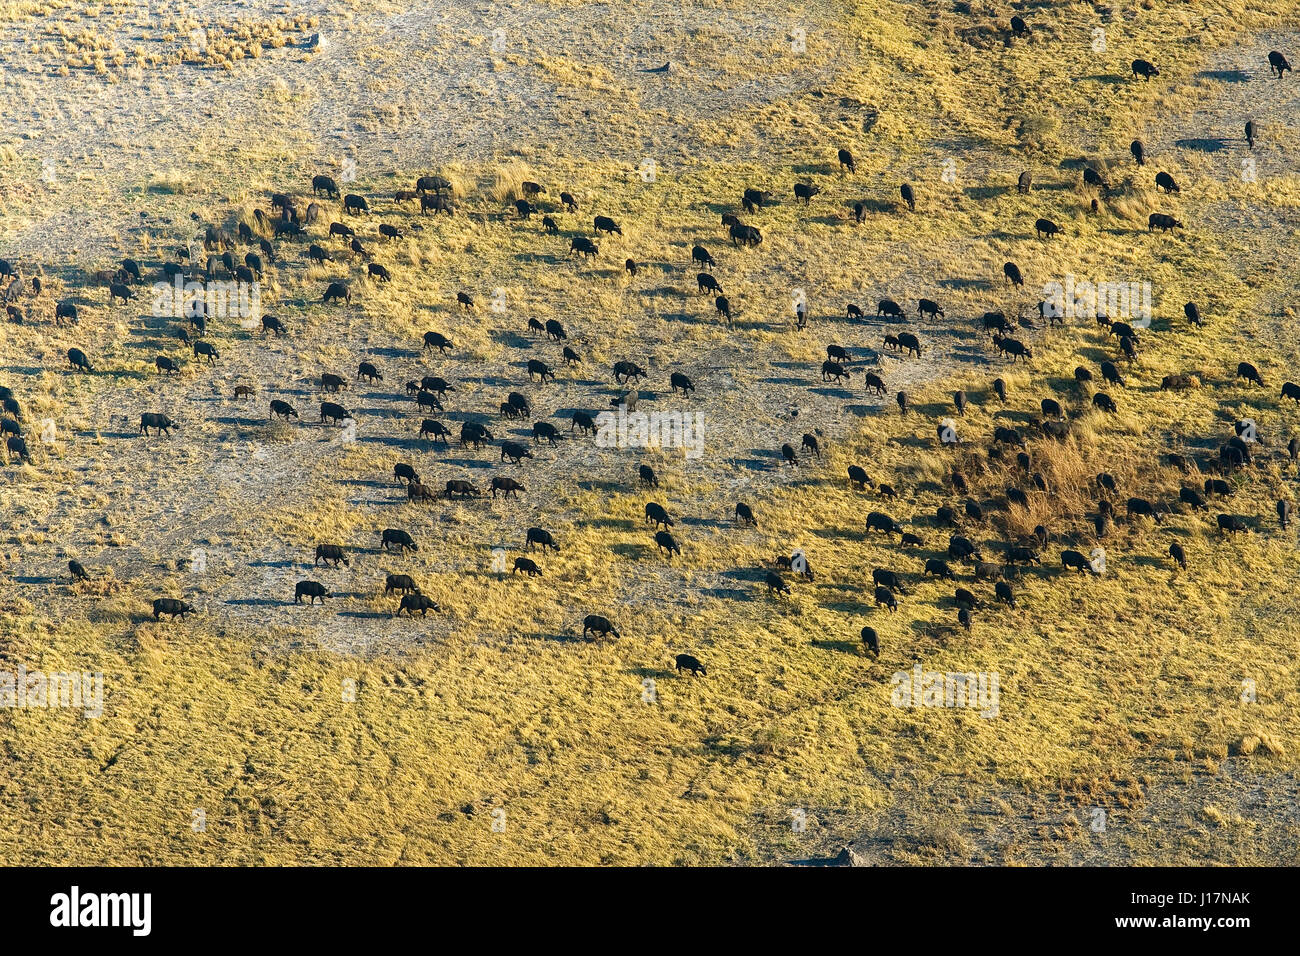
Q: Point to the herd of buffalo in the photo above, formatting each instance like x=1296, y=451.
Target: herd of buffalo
x=295, y=228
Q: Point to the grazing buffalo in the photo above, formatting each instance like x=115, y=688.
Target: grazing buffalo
x=1283, y=513
x=889, y=579
x=1104, y=403
x=1012, y=272
x=173, y=607
x=271, y=324
x=1019, y=28
x=337, y=290
x=1190, y=496
x=805, y=191
x=544, y=431
x=885, y=597
x=1093, y=178
x=434, y=429
x=679, y=381
x=378, y=272
x=282, y=409
x=1144, y=69
x=394, y=537
x=437, y=204
x=961, y=549
x=311, y=590
x=460, y=488
x=399, y=582
x=687, y=662
x=1022, y=556
x=606, y=225
x=707, y=283
x=514, y=451
x=436, y=340
x=417, y=602
x=329, y=411
x=891, y=308
x=540, y=537
x=600, y=626
x=1180, y=557
x=369, y=372
x=666, y=542
x=1232, y=523
x=1217, y=486
x=526, y=566
x=1277, y=63
x=1045, y=227
x=874, y=383
x=1025, y=182
x=646, y=475
x=156, y=420
x=744, y=235
x=655, y=514
x=1002, y=590
x=755, y=199
x=507, y=486
x=1139, y=151
x=583, y=421
x=809, y=443
x=908, y=195
x=1163, y=222
x=352, y=203
x=929, y=307
x=1166, y=182
x=1008, y=436
x=626, y=371
x=1143, y=508
x=879, y=521
x=77, y=359
x=871, y=641
x=432, y=184
x=846, y=161
x=745, y=515
x=701, y=255
x=1249, y=373
x=404, y=472
x=330, y=553
x=910, y=343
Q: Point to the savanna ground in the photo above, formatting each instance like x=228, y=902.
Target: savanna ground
x=127, y=129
